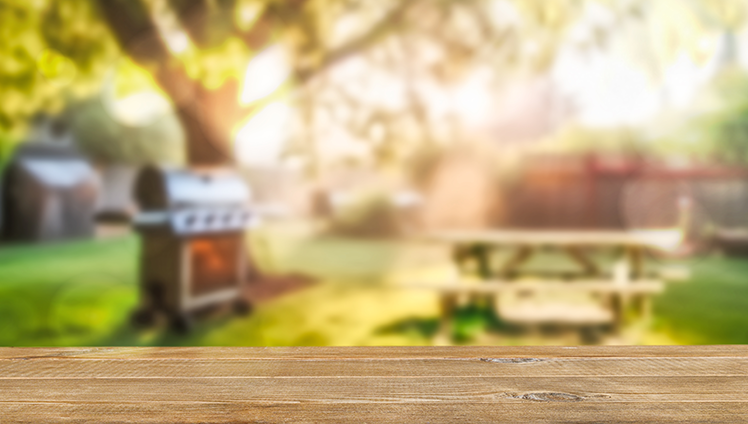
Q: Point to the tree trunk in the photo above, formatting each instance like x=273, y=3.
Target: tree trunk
x=206, y=115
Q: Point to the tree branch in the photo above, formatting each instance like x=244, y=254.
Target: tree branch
x=135, y=31
x=273, y=15
x=385, y=26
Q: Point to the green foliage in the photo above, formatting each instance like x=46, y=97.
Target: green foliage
x=579, y=139
x=372, y=215
x=7, y=143
x=728, y=131
x=51, y=50
x=128, y=78
x=472, y=321
x=105, y=139
x=724, y=132
x=73, y=29
x=213, y=66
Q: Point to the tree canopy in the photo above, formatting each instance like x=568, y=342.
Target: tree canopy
x=339, y=52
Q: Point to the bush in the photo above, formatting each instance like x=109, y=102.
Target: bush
x=370, y=215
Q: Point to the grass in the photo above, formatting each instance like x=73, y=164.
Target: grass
x=65, y=294
x=711, y=307
x=81, y=293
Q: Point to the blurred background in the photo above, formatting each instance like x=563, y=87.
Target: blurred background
x=418, y=172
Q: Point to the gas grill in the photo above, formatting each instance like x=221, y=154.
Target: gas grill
x=193, y=253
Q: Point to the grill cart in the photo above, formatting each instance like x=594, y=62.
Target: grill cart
x=193, y=254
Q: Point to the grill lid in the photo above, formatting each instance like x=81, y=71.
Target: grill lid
x=160, y=188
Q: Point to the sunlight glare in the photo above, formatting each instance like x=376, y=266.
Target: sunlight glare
x=140, y=109
x=472, y=99
x=265, y=73
x=262, y=139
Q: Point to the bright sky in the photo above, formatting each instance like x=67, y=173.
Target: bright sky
x=617, y=86
x=611, y=91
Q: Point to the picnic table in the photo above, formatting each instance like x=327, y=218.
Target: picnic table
x=647, y=384
x=624, y=282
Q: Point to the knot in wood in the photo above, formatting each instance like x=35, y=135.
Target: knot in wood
x=511, y=360
x=550, y=397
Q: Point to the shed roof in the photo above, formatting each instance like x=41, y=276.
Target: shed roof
x=58, y=173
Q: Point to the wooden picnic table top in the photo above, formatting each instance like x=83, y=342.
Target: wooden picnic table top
x=375, y=384
x=643, y=286
x=646, y=238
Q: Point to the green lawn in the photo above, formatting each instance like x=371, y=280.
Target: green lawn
x=711, y=308
x=81, y=293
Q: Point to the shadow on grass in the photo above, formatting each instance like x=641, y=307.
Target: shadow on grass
x=160, y=333
x=220, y=324
x=419, y=327
x=468, y=324
x=205, y=331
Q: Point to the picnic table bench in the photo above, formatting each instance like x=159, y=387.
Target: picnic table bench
x=626, y=283
x=665, y=384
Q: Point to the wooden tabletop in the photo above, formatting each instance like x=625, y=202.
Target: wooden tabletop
x=375, y=384
x=653, y=238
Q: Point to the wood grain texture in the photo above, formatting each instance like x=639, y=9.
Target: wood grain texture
x=375, y=384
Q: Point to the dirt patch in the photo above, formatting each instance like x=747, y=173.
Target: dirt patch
x=267, y=287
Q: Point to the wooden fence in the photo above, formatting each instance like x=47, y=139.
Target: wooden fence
x=584, y=193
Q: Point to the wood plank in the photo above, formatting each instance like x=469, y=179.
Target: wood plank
x=556, y=312
x=520, y=411
x=501, y=286
x=459, y=384
x=455, y=367
x=376, y=389
x=653, y=239
x=385, y=353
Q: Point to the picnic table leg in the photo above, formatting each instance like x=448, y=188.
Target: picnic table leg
x=478, y=252
x=521, y=255
x=643, y=306
x=616, y=306
x=581, y=258
x=481, y=252
x=620, y=301
x=460, y=253
x=636, y=261
x=448, y=304
x=646, y=308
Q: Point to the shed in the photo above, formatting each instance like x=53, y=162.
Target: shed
x=49, y=192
